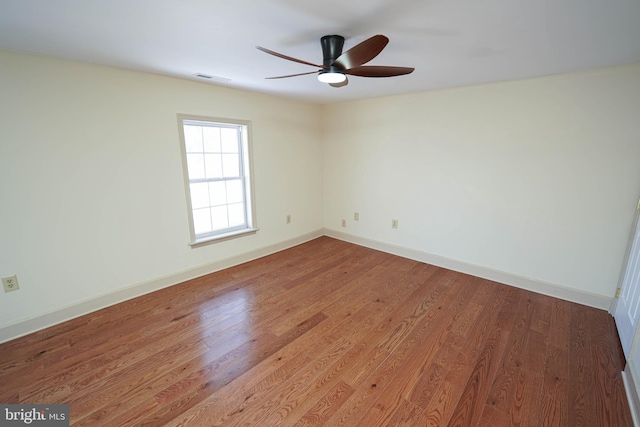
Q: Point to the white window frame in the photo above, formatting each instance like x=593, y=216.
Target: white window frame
x=246, y=175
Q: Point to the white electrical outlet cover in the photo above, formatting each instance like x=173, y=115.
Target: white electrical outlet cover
x=10, y=283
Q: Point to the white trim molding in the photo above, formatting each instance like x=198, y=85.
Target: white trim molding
x=630, y=385
x=569, y=294
x=27, y=326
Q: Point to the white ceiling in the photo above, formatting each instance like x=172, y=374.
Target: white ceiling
x=449, y=42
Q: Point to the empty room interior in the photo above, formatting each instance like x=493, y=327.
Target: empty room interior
x=445, y=243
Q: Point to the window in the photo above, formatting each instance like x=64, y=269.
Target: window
x=217, y=169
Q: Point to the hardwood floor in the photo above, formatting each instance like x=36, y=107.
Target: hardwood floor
x=328, y=333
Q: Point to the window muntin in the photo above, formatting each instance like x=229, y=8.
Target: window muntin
x=217, y=171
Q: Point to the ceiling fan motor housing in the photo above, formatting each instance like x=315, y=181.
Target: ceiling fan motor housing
x=331, y=50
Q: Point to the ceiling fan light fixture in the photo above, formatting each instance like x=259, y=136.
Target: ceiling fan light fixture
x=331, y=77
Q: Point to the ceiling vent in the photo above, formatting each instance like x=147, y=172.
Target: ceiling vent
x=214, y=78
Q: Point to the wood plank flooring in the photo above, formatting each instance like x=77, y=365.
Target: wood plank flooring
x=328, y=333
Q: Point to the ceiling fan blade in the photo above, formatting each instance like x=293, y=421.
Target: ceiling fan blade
x=341, y=84
x=362, y=52
x=279, y=55
x=293, y=75
x=378, y=71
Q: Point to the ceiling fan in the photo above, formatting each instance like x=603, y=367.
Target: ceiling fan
x=336, y=65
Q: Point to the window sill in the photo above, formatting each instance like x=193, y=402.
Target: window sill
x=222, y=237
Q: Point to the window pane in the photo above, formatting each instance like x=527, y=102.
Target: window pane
x=195, y=166
x=229, y=140
x=236, y=214
x=217, y=193
x=230, y=165
x=202, y=221
x=215, y=172
x=213, y=165
x=193, y=138
x=199, y=195
x=234, y=191
x=219, y=217
x=211, y=139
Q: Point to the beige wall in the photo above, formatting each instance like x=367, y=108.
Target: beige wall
x=92, y=194
x=536, y=178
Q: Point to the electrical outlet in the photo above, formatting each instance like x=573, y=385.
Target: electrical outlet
x=10, y=283
x=288, y=219
x=394, y=223
x=344, y=222
x=356, y=216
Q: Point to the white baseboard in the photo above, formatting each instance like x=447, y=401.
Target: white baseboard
x=569, y=294
x=630, y=386
x=27, y=326
x=63, y=314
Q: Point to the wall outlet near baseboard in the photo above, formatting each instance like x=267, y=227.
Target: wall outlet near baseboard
x=10, y=283
x=344, y=222
x=288, y=219
x=356, y=216
x=394, y=223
